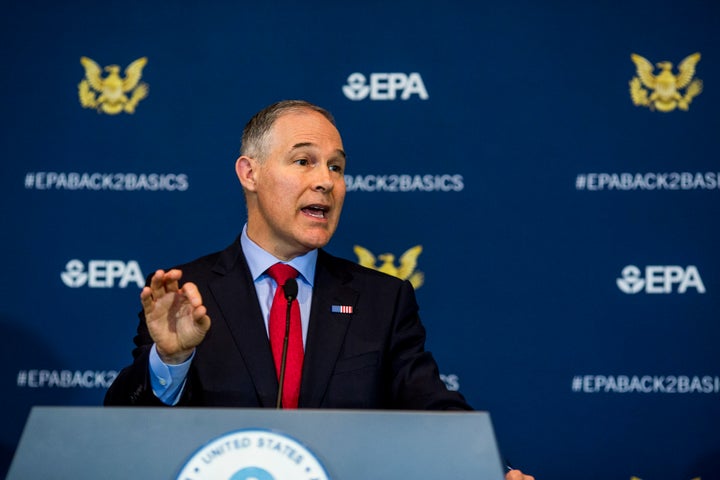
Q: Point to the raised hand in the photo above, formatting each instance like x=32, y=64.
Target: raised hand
x=176, y=317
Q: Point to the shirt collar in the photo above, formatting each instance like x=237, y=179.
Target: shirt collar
x=259, y=260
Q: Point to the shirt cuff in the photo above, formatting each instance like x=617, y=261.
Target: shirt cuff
x=167, y=381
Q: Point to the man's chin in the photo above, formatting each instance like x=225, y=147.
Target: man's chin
x=316, y=243
x=317, y=239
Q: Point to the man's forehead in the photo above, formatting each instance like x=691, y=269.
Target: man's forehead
x=311, y=145
x=305, y=129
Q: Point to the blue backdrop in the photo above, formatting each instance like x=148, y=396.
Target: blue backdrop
x=565, y=199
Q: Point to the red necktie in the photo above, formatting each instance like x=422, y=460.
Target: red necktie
x=293, y=367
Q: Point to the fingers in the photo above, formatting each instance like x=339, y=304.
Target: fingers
x=156, y=283
x=518, y=475
x=203, y=323
x=192, y=294
x=163, y=282
x=199, y=312
x=171, y=278
x=146, y=298
x=163, y=300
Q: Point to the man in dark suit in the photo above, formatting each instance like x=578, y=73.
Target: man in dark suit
x=362, y=340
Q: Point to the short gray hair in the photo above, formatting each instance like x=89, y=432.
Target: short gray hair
x=256, y=132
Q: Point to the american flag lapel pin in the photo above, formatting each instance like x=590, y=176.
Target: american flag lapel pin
x=341, y=309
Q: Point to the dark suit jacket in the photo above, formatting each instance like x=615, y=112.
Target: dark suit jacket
x=372, y=358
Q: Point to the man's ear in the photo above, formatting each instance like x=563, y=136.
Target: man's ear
x=246, y=170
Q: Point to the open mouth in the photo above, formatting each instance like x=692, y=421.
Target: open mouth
x=316, y=211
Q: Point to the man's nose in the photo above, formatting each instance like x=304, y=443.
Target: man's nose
x=322, y=180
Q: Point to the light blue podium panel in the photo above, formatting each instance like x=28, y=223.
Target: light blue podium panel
x=156, y=443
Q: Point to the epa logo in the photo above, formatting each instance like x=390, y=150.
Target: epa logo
x=660, y=279
x=384, y=86
x=102, y=274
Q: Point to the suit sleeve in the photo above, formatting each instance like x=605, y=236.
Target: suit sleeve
x=416, y=383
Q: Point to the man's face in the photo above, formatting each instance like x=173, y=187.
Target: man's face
x=296, y=194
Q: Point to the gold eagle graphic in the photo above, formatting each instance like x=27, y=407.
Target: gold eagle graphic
x=406, y=270
x=665, y=87
x=108, y=94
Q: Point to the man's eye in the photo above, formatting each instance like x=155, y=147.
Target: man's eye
x=302, y=161
x=336, y=168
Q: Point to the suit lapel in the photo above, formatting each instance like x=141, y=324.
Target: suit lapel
x=234, y=292
x=326, y=331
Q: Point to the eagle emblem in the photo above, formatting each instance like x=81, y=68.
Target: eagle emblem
x=663, y=91
x=406, y=270
x=110, y=94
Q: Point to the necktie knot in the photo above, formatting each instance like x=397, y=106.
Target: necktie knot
x=280, y=272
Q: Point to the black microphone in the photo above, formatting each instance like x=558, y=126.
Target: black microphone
x=291, y=290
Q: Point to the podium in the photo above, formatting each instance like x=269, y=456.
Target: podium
x=158, y=443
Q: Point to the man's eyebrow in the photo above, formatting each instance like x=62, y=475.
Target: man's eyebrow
x=310, y=144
